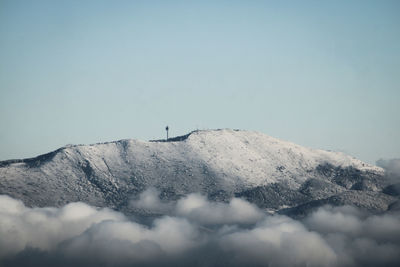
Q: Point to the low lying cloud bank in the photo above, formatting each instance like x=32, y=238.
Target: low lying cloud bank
x=194, y=232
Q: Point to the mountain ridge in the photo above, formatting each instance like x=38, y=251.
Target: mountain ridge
x=219, y=163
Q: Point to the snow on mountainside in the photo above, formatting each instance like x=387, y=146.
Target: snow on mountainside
x=272, y=173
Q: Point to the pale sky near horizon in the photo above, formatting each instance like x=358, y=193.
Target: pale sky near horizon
x=323, y=74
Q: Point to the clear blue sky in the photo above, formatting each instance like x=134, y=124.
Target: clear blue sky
x=324, y=74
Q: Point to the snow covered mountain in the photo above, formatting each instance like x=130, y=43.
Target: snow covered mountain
x=274, y=174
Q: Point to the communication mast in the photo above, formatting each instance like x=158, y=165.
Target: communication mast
x=167, y=128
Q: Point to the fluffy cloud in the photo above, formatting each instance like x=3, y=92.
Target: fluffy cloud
x=194, y=232
x=277, y=241
x=149, y=200
x=358, y=238
x=196, y=208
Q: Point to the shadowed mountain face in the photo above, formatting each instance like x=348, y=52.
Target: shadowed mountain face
x=274, y=174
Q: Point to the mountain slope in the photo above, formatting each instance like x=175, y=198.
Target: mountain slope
x=272, y=173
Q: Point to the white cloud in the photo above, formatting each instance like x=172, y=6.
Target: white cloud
x=195, y=207
x=149, y=200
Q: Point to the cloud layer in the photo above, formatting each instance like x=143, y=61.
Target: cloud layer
x=194, y=232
